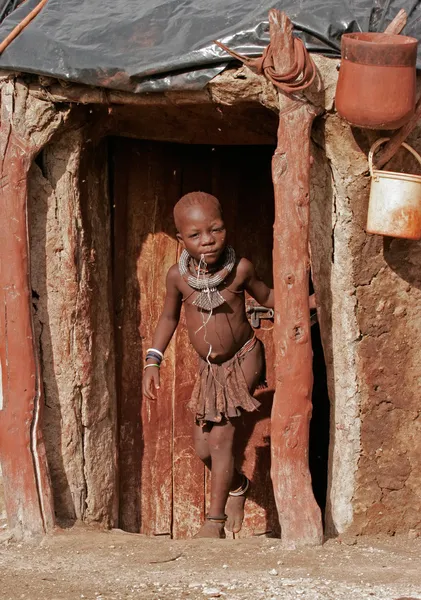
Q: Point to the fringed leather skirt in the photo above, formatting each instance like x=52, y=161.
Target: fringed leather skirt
x=221, y=392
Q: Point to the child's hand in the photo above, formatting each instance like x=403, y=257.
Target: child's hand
x=150, y=382
x=312, y=301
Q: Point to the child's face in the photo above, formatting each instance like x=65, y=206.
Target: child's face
x=202, y=232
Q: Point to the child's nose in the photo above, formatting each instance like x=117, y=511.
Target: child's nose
x=208, y=239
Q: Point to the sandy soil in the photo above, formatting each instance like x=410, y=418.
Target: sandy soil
x=93, y=565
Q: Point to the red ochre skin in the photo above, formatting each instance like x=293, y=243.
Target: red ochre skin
x=201, y=231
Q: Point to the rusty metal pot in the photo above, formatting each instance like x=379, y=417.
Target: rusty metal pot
x=376, y=85
x=395, y=200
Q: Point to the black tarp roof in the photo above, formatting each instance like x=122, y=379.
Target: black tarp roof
x=151, y=45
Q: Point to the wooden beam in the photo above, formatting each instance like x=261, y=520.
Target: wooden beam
x=227, y=88
x=299, y=514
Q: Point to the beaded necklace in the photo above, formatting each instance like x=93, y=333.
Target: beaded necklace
x=208, y=297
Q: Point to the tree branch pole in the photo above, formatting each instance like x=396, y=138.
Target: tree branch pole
x=299, y=514
x=28, y=496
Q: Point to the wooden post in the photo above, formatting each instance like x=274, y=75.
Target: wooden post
x=299, y=515
x=28, y=494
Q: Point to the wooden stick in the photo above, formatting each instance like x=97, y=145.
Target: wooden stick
x=397, y=25
x=299, y=514
x=21, y=26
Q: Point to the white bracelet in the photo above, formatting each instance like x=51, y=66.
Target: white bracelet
x=155, y=350
x=150, y=365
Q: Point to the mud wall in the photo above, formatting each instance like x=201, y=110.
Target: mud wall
x=369, y=289
x=70, y=270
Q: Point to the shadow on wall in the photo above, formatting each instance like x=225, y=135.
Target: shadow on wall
x=404, y=258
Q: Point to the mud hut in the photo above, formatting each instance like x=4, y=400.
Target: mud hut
x=97, y=145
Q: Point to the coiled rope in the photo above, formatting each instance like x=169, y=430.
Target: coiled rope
x=299, y=77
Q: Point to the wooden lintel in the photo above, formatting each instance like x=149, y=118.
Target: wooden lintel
x=232, y=86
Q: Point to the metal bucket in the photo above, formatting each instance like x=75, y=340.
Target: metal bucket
x=395, y=200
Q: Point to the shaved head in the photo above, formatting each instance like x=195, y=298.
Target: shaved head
x=194, y=199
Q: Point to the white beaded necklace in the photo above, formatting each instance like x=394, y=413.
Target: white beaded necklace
x=208, y=297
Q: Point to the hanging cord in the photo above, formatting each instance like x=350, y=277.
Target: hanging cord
x=299, y=77
x=205, y=321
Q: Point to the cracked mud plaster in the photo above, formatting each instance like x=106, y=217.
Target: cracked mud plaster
x=69, y=255
x=369, y=291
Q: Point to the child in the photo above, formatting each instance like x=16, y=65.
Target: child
x=210, y=281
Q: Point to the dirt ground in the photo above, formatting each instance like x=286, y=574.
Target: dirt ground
x=80, y=563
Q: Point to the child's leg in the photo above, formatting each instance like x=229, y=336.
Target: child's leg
x=201, y=442
x=220, y=442
x=252, y=367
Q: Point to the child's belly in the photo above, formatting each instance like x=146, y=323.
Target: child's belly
x=220, y=337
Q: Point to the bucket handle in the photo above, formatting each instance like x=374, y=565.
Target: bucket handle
x=382, y=141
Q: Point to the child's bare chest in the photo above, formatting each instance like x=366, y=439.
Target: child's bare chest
x=224, y=329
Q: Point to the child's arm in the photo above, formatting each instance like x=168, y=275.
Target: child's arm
x=165, y=328
x=260, y=291
x=255, y=286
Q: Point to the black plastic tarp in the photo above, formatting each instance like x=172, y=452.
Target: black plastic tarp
x=152, y=45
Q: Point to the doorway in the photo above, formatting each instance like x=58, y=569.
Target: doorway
x=163, y=486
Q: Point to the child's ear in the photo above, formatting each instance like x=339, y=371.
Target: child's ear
x=180, y=239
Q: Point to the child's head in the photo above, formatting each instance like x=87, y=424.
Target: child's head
x=200, y=227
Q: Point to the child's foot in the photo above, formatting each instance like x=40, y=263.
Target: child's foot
x=235, y=506
x=212, y=528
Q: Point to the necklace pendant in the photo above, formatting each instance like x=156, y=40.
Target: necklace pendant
x=208, y=300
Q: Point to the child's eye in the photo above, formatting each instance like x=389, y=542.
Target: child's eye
x=217, y=229
x=193, y=235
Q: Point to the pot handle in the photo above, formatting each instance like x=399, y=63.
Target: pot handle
x=382, y=141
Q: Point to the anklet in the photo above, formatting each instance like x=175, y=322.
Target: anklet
x=242, y=489
x=217, y=519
